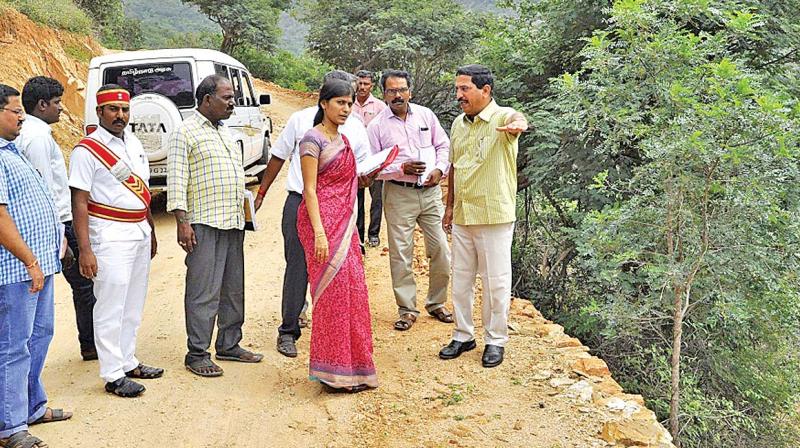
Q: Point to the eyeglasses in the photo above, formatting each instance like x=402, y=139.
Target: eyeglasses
x=19, y=112
x=394, y=92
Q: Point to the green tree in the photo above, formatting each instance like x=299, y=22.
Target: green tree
x=429, y=38
x=298, y=72
x=172, y=24
x=115, y=30
x=526, y=50
x=251, y=22
x=662, y=173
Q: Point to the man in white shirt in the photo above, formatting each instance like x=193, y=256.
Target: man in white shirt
x=111, y=207
x=41, y=98
x=295, y=278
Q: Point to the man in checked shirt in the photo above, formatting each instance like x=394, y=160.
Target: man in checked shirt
x=205, y=191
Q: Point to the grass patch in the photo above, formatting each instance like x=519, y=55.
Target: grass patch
x=458, y=393
x=78, y=52
x=60, y=14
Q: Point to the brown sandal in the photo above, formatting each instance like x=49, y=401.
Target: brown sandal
x=442, y=315
x=405, y=322
x=56, y=415
x=22, y=439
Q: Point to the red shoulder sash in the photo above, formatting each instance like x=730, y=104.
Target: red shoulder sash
x=107, y=157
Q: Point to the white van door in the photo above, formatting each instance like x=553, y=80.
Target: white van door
x=241, y=118
x=167, y=88
x=237, y=121
x=256, y=118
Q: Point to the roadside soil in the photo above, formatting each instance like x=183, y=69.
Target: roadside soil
x=421, y=402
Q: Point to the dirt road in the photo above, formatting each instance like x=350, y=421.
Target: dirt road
x=422, y=401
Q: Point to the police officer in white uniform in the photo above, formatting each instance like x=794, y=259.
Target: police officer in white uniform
x=114, y=227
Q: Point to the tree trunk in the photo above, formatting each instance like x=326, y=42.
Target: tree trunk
x=228, y=42
x=675, y=399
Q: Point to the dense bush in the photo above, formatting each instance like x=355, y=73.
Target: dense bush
x=660, y=217
x=60, y=14
x=303, y=72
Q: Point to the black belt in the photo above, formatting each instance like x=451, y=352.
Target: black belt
x=295, y=193
x=408, y=184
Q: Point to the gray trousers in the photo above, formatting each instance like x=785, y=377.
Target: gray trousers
x=405, y=208
x=214, y=291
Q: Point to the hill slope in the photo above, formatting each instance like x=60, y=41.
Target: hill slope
x=29, y=50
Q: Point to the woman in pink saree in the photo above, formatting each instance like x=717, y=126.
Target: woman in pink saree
x=341, y=334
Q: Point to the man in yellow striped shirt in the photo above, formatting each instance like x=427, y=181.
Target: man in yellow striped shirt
x=481, y=211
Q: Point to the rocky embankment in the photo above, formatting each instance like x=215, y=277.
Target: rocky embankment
x=586, y=381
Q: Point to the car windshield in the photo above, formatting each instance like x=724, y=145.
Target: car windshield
x=171, y=80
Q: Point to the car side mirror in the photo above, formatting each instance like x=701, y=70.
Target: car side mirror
x=264, y=99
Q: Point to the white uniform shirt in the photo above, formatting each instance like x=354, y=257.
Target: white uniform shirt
x=36, y=143
x=89, y=174
x=301, y=122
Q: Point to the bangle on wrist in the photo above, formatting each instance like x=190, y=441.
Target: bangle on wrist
x=261, y=192
x=33, y=264
x=184, y=220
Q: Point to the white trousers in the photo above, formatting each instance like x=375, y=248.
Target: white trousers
x=120, y=288
x=484, y=250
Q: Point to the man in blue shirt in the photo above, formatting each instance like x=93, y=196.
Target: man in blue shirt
x=29, y=250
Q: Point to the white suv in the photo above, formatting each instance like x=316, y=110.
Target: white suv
x=162, y=85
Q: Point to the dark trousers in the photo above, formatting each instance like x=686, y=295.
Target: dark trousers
x=295, y=278
x=214, y=291
x=82, y=293
x=375, y=210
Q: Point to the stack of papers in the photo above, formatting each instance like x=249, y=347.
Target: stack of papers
x=250, y=222
x=377, y=162
x=427, y=154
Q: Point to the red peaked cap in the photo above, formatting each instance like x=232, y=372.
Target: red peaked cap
x=119, y=96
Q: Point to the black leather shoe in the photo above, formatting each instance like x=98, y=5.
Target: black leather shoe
x=492, y=355
x=455, y=348
x=89, y=355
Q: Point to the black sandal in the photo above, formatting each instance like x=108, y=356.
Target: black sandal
x=145, y=372
x=125, y=388
x=22, y=439
x=204, y=367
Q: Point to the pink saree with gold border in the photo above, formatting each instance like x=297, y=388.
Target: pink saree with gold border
x=341, y=334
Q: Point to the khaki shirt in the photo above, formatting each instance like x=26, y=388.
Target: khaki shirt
x=485, y=163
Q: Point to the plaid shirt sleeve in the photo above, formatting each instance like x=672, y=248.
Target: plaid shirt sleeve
x=3, y=185
x=177, y=170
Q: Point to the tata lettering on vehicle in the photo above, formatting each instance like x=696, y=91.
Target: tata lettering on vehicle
x=162, y=85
